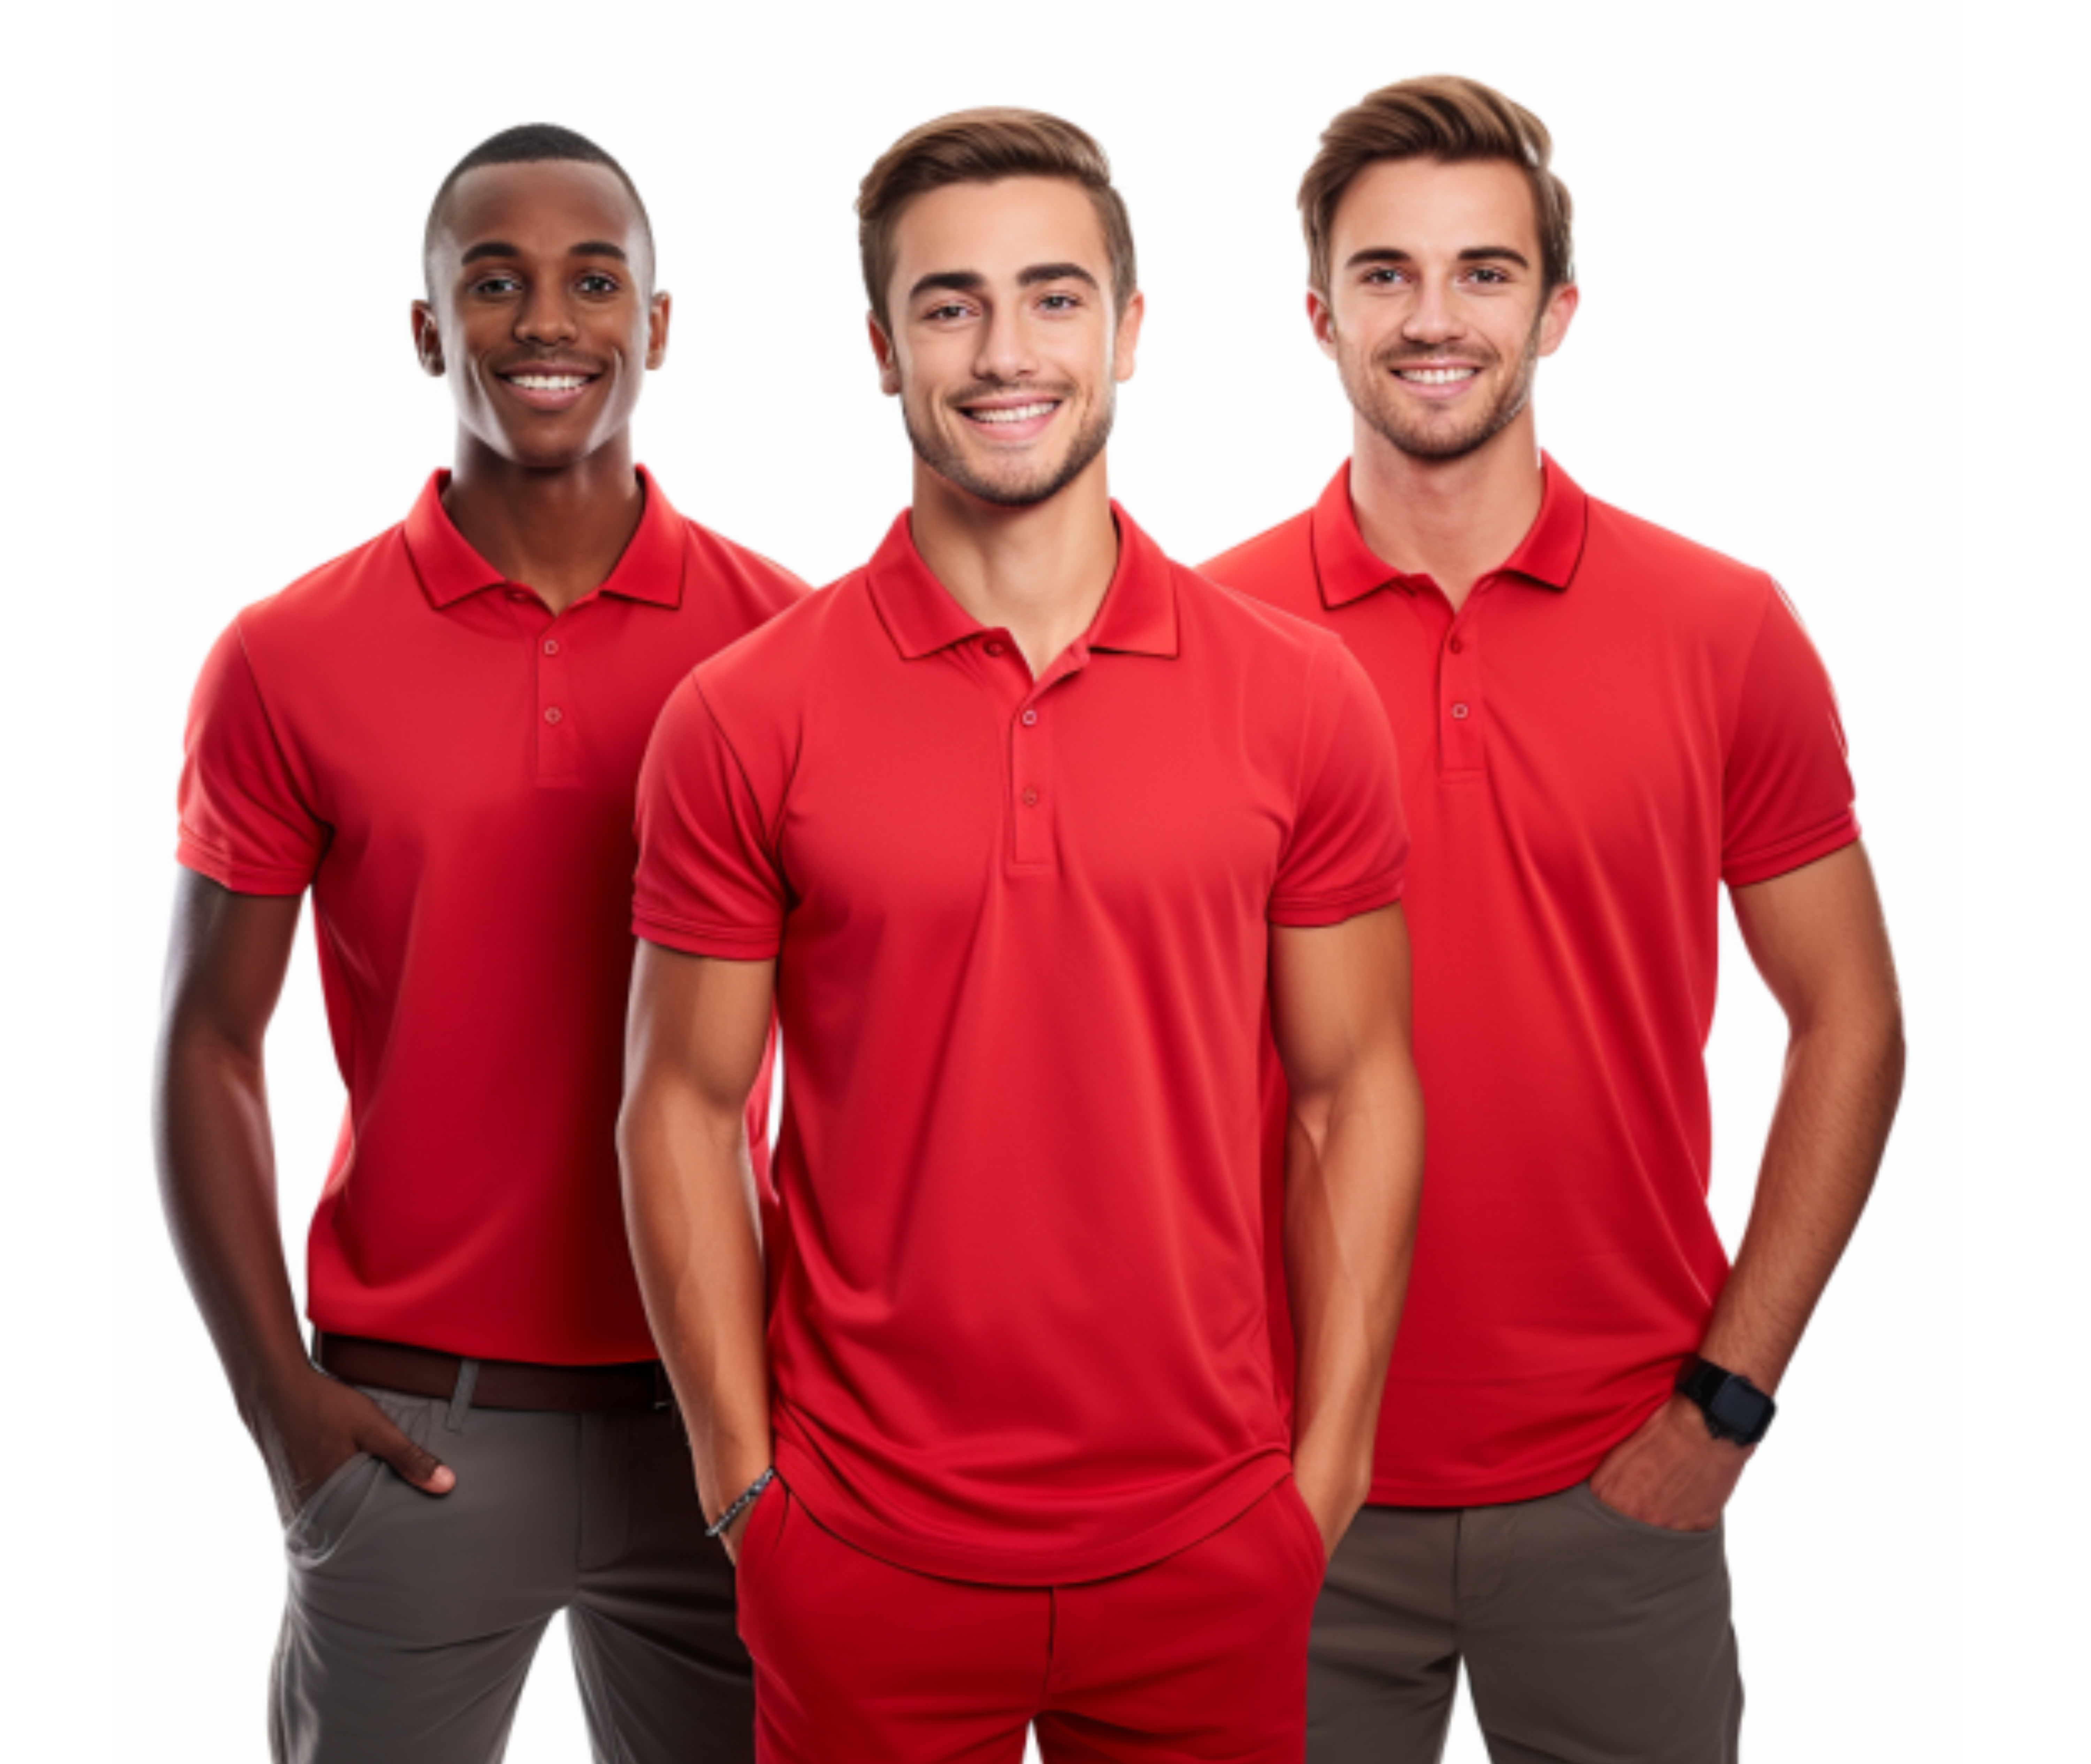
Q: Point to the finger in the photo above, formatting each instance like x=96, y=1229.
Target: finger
x=422, y=1468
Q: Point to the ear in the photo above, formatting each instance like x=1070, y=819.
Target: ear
x=657, y=314
x=428, y=345
x=1554, y=322
x=1127, y=348
x=888, y=357
x=1322, y=316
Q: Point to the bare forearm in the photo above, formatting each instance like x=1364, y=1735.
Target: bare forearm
x=1351, y=1192
x=690, y=1209
x=1836, y=1105
x=217, y=1189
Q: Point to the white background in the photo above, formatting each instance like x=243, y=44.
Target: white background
x=1833, y=280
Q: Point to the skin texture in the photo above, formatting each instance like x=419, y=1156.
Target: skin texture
x=1433, y=264
x=1000, y=295
x=550, y=499
x=541, y=267
x=1818, y=937
x=1424, y=267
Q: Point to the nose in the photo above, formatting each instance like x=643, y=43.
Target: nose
x=1432, y=318
x=1005, y=351
x=545, y=316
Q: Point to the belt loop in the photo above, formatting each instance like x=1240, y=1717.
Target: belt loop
x=461, y=1397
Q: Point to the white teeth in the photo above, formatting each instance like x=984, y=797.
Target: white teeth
x=548, y=382
x=1436, y=376
x=1020, y=413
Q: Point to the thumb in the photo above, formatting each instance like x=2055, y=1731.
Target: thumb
x=422, y=1469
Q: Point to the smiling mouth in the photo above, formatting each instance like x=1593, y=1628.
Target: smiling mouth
x=1435, y=376
x=549, y=382
x=1010, y=415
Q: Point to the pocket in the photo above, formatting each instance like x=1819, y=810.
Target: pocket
x=1586, y=1496
x=319, y=1527
x=1309, y=1533
x=766, y=1522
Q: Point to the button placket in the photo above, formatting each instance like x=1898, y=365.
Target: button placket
x=1031, y=776
x=1459, y=704
x=559, y=752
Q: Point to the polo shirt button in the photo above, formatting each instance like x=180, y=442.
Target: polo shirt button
x=1031, y=799
x=1029, y=718
x=552, y=713
x=994, y=649
x=1456, y=646
x=517, y=594
x=1459, y=712
x=551, y=646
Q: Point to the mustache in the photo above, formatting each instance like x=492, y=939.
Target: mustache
x=1407, y=355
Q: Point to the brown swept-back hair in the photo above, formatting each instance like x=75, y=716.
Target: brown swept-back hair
x=1442, y=117
x=980, y=147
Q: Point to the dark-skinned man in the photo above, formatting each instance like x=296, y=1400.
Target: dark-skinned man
x=440, y=734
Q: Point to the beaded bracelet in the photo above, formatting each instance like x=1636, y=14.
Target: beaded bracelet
x=747, y=1499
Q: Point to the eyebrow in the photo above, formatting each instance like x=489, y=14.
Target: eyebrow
x=1476, y=254
x=972, y=280
x=500, y=247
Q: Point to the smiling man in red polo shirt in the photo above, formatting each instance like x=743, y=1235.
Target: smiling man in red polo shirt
x=1600, y=724
x=1020, y=826
x=439, y=734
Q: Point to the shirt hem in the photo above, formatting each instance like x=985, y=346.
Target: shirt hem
x=832, y=1507
x=1534, y=1485
x=1352, y=904
x=1763, y=866
x=707, y=939
x=239, y=878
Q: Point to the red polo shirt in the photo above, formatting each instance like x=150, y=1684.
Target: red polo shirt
x=1616, y=722
x=1022, y=930
x=450, y=768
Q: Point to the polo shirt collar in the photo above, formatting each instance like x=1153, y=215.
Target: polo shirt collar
x=650, y=570
x=1348, y=570
x=1138, y=615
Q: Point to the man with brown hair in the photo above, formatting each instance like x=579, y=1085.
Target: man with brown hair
x=1019, y=826
x=1600, y=724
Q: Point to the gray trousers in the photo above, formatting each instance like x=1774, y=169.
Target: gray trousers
x=412, y=1618
x=1591, y=1637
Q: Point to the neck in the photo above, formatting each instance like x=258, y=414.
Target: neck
x=1039, y=572
x=558, y=530
x=1453, y=520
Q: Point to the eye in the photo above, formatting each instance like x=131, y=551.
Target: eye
x=595, y=281
x=1382, y=276
x=496, y=285
x=1060, y=302
x=1490, y=277
x=949, y=310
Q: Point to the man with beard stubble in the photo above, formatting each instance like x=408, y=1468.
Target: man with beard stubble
x=1020, y=826
x=440, y=735
x=1600, y=724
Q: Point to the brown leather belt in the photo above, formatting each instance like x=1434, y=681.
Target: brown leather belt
x=392, y=1365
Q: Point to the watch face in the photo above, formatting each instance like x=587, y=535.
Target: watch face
x=1739, y=1409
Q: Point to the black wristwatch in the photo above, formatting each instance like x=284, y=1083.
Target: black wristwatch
x=1735, y=1408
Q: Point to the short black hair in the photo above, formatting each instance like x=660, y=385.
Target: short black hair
x=526, y=144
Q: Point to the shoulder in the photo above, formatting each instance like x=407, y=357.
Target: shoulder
x=1229, y=615
x=1272, y=560
x=769, y=673
x=1637, y=557
x=309, y=617
x=768, y=583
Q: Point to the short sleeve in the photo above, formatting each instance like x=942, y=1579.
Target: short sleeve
x=1348, y=847
x=709, y=883
x=1787, y=794
x=244, y=822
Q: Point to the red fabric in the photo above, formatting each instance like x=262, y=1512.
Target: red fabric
x=1616, y=721
x=1019, y=1334
x=1201, y=1656
x=383, y=731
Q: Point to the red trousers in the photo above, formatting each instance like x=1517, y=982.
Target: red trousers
x=1201, y=1656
